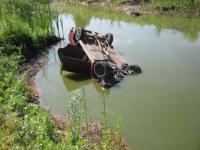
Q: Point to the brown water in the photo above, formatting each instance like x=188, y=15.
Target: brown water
x=160, y=108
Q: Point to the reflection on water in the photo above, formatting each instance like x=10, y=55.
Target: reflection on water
x=160, y=108
x=189, y=27
x=74, y=81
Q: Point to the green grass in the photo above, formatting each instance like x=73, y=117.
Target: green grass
x=23, y=25
x=24, y=30
x=22, y=125
x=157, y=4
x=181, y=4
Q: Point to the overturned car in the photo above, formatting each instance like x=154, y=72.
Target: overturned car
x=91, y=53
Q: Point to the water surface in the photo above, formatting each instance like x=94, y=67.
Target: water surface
x=160, y=108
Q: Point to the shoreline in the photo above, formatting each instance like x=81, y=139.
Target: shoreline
x=146, y=9
x=34, y=64
x=32, y=67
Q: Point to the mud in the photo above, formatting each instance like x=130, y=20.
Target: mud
x=32, y=65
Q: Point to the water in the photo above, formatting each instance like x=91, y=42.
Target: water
x=160, y=108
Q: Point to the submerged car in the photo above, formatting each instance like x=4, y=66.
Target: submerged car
x=91, y=53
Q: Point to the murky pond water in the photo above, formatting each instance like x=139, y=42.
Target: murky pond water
x=160, y=108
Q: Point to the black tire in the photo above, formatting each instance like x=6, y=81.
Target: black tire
x=78, y=35
x=109, y=38
x=100, y=69
x=135, y=68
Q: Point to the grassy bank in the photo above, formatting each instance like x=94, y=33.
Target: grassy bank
x=23, y=125
x=23, y=34
x=183, y=4
x=24, y=27
x=25, y=31
x=161, y=3
x=148, y=7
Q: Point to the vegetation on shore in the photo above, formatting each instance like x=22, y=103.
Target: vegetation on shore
x=24, y=27
x=23, y=125
x=25, y=31
x=148, y=7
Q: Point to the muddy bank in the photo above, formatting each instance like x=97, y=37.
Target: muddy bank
x=34, y=63
x=31, y=67
x=149, y=10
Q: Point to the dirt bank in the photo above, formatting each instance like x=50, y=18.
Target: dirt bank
x=32, y=65
x=149, y=10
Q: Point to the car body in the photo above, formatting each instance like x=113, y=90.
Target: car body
x=91, y=53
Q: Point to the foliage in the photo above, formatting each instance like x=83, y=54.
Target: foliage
x=22, y=124
x=22, y=23
x=75, y=114
x=157, y=3
x=85, y=134
x=176, y=3
x=23, y=30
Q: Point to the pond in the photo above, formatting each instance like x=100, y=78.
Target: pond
x=160, y=108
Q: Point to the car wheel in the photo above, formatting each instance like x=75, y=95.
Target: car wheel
x=109, y=38
x=77, y=35
x=100, y=69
